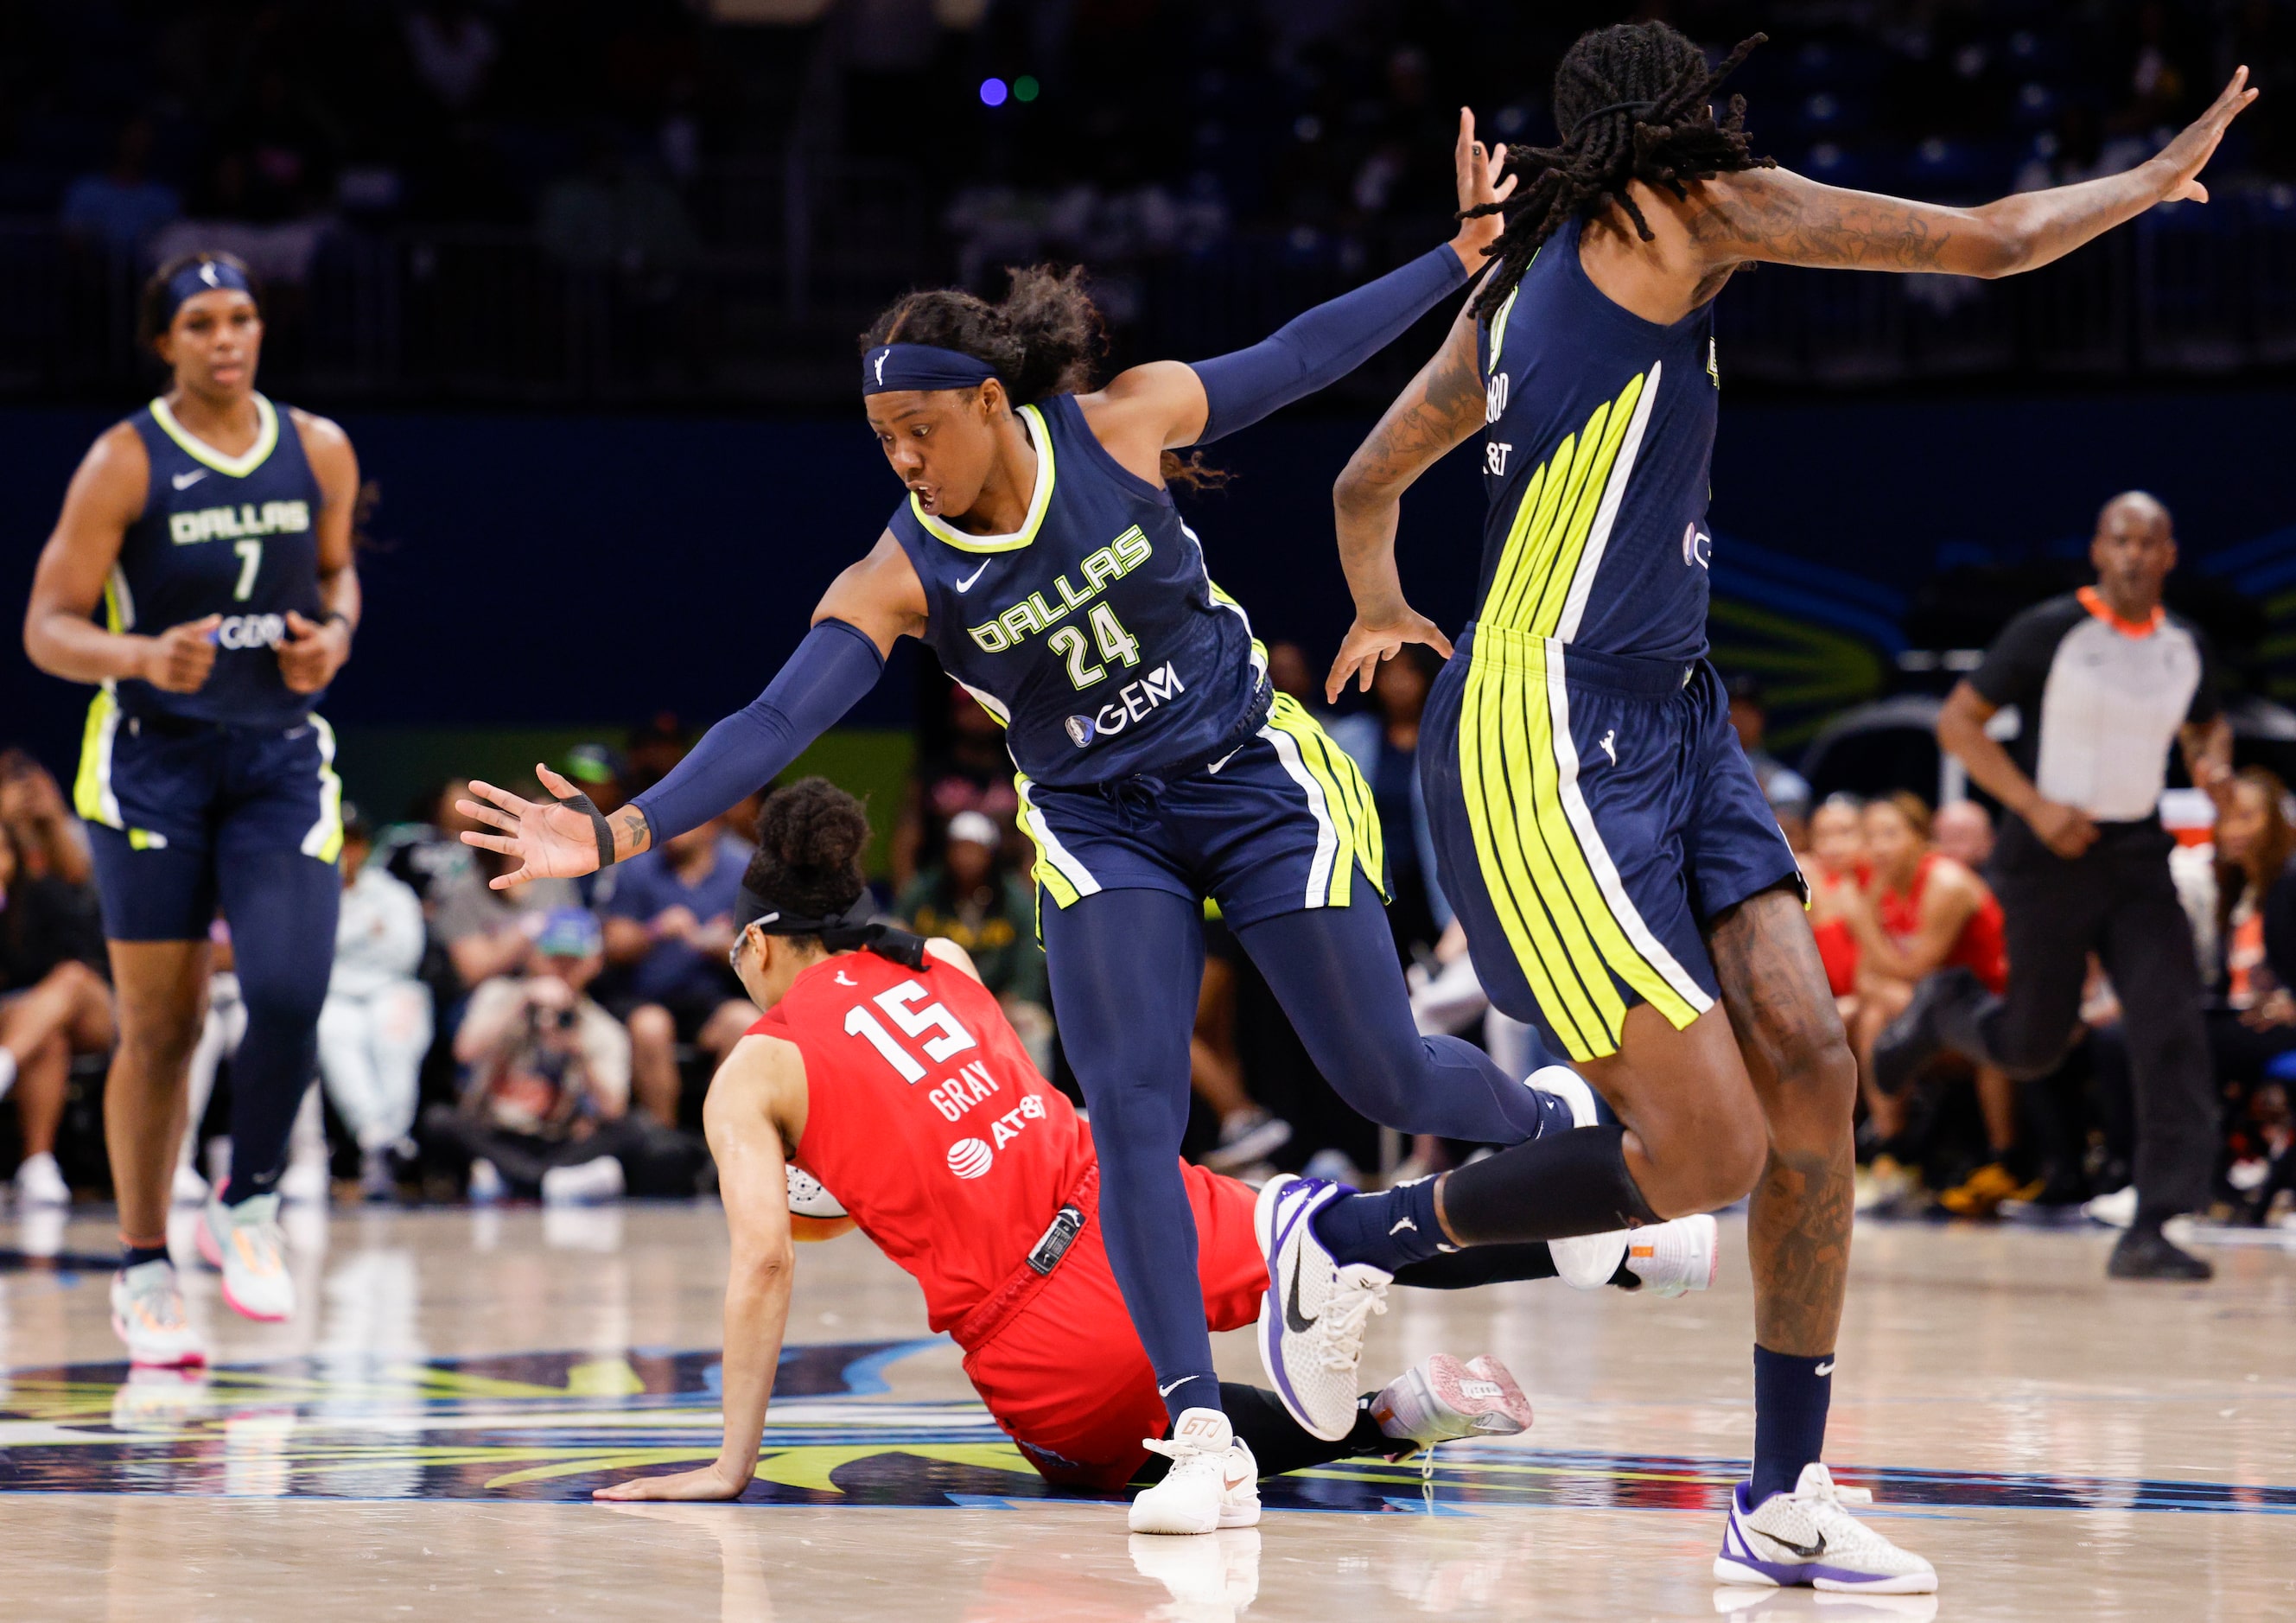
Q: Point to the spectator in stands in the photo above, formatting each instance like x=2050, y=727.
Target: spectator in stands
x=375, y=1026
x=53, y=1004
x=668, y=925
x=120, y=209
x=548, y=1077
x=2252, y=1020
x=970, y=773
x=653, y=747
x=1836, y=868
x=50, y=842
x=1787, y=789
x=1920, y=912
x=486, y=931
x=971, y=898
x=1964, y=831
x=452, y=49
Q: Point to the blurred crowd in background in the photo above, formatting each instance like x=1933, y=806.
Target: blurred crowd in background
x=555, y=1040
x=432, y=170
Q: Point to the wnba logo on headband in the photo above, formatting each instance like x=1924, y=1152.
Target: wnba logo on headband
x=205, y=277
x=896, y=366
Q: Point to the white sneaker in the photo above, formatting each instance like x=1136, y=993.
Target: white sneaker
x=1808, y=1536
x=2114, y=1210
x=1313, y=1318
x=147, y=1313
x=1440, y=1401
x=1213, y=1483
x=487, y=1185
x=244, y=1241
x=305, y=1181
x=594, y=1182
x=189, y=1188
x=1672, y=1257
x=40, y=1182
x=1585, y=1262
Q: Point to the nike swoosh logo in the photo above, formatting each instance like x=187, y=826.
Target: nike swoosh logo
x=1166, y=1392
x=1826, y=1368
x=966, y=584
x=842, y=981
x=1808, y=1551
x=1225, y=759
x=1293, y=1320
x=185, y=482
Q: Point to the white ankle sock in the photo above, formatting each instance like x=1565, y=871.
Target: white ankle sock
x=7, y=1072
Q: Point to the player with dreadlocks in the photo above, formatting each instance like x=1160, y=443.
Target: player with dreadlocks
x=1621, y=881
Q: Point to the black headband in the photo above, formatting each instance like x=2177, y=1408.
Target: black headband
x=851, y=930
x=1639, y=109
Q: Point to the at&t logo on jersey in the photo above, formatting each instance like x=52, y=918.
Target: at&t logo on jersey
x=237, y=523
x=1132, y=700
x=252, y=631
x=969, y=1158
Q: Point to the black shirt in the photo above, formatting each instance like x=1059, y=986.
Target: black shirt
x=2098, y=703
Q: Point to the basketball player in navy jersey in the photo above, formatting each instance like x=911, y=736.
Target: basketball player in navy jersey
x=212, y=529
x=1040, y=553
x=1621, y=880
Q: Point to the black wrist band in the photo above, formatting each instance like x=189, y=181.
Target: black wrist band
x=600, y=830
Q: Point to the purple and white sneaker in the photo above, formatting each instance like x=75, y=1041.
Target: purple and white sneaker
x=1313, y=1318
x=1808, y=1536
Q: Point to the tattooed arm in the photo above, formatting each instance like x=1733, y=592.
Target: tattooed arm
x=1781, y=217
x=1442, y=406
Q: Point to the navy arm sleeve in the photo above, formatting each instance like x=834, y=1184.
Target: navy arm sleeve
x=826, y=677
x=1322, y=345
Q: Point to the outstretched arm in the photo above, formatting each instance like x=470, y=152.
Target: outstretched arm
x=1150, y=409
x=1781, y=217
x=866, y=610
x=1442, y=407
x=744, y=1117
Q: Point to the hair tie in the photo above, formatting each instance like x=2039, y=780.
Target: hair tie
x=1637, y=108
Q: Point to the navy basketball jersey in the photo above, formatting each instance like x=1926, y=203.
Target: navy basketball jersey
x=1093, y=634
x=233, y=535
x=1596, y=460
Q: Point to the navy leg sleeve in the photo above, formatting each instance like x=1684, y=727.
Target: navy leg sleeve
x=281, y=906
x=1126, y=969
x=1334, y=971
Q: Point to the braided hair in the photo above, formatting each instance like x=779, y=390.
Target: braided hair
x=1631, y=103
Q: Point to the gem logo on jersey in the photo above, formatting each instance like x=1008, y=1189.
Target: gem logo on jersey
x=969, y=1158
x=252, y=631
x=1134, y=701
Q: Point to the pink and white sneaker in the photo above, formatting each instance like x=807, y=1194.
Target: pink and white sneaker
x=1441, y=1400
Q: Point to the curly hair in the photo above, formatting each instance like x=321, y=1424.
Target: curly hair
x=1046, y=338
x=810, y=837
x=1630, y=103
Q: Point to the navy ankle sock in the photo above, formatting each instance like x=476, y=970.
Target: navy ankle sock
x=1790, y=1397
x=134, y=1256
x=1389, y=1231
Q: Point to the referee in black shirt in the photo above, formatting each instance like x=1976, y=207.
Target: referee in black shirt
x=2102, y=679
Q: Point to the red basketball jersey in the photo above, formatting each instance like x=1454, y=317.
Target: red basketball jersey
x=926, y=1120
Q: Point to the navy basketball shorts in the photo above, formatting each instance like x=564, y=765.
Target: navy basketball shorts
x=1280, y=825
x=170, y=801
x=1591, y=815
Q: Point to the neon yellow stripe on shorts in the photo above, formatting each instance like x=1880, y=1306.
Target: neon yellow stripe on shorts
x=1545, y=967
